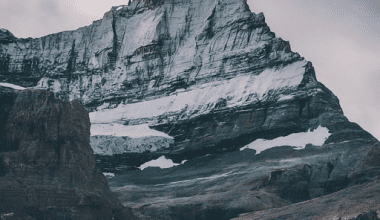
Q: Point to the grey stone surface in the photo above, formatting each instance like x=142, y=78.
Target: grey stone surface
x=47, y=167
x=209, y=73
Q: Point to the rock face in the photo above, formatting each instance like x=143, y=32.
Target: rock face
x=7, y=98
x=346, y=204
x=213, y=78
x=111, y=141
x=47, y=167
x=209, y=73
x=6, y=36
x=222, y=186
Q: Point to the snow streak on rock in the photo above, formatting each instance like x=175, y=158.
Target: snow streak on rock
x=161, y=162
x=118, y=130
x=9, y=85
x=298, y=140
x=202, y=99
x=110, y=139
x=108, y=175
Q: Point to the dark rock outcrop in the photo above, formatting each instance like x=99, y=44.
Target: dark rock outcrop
x=6, y=36
x=347, y=204
x=47, y=167
x=7, y=98
x=371, y=215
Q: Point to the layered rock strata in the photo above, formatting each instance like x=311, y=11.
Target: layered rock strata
x=209, y=73
x=278, y=183
x=110, y=143
x=47, y=167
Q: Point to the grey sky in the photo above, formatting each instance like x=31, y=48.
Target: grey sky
x=341, y=38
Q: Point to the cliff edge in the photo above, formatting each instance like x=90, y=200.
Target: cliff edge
x=47, y=167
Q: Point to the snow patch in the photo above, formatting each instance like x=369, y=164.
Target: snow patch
x=56, y=86
x=299, y=140
x=111, y=139
x=285, y=97
x=52, y=84
x=202, y=99
x=108, y=145
x=161, y=162
x=118, y=130
x=43, y=83
x=9, y=85
x=110, y=175
x=93, y=63
x=103, y=106
x=144, y=30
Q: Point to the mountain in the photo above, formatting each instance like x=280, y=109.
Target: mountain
x=207, y=85
x=211, y=74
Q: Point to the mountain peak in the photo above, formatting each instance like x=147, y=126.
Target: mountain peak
x=190, y=83
x=6, y=36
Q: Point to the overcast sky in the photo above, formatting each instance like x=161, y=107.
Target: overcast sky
x=340, y=37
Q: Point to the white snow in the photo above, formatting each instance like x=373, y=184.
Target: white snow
x=9, y=85
x=56, y=86
x=43, y=83
x=143, y=31
x=52, y=84
x=118, y=130
x=161, y=162
x=316, y=137
x=93, y=63
x=204, y=97
x=285, y=97
x=109, y=175
x=110, y=139
x=103, y=106
x=111, y=145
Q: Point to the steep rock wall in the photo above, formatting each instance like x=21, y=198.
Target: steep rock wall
x=209, y=73
x=47, y=167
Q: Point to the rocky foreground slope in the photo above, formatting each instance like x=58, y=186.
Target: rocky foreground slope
x=206, y=84
x=47, y=168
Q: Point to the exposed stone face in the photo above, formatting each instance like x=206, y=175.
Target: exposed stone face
x=209, y=73
x=48, y=166
x=7, y=98
x=6, y=36
x=226, y=185
x=348, y=203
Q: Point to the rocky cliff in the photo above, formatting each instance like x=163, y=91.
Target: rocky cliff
x=208, y=73
x=47, y=167
x=201, y=82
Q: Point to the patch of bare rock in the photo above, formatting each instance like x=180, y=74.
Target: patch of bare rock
x=47, y=167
